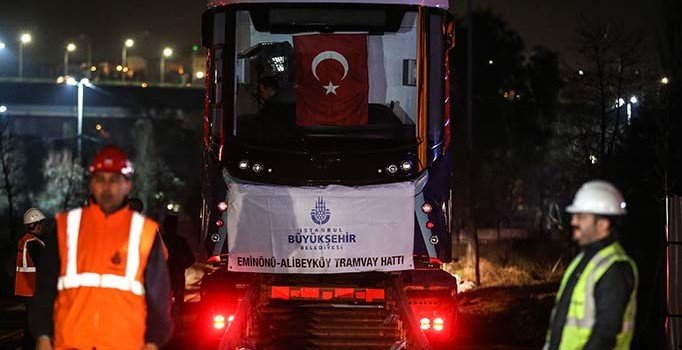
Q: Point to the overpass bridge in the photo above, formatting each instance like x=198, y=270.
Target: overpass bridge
x=47, y=110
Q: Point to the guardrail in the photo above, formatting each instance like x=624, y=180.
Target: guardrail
x=197, y=85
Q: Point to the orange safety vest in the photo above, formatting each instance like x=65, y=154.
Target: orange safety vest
x=101, y=298
x=25, y=277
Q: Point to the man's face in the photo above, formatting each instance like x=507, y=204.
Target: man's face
x=109, y=190
x=587, y=228
x=264, y=92
x=38, y=228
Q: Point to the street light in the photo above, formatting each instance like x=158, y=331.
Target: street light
x=167, y=53
x=2, y=45
x=24, y=39
x=665, y=80
x=3, y=108
x=128, y=43
x=85, y=82
x=79, y=142
x=71, y=47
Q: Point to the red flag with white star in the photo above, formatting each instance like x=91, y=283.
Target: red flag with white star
x=331, y=79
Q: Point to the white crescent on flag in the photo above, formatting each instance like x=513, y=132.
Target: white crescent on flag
x=329, y=55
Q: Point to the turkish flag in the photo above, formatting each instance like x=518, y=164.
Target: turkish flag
x=331, y=79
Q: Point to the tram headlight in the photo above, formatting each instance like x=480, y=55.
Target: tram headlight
x=406, y=166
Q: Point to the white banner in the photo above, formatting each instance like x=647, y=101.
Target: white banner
x=333, y=229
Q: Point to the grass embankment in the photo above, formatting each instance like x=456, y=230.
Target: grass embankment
x=519, y=280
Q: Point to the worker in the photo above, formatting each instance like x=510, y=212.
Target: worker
x=180, y=258
x=268, y=90
x=29, y=249
x=596, y=304
x=135, y=204
x=103, y=281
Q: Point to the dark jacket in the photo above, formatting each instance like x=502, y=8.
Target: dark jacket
x=611, y=296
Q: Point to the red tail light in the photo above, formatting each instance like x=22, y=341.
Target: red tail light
x=219, y=321
x=438, y=324
x=435, y=324
x=425, y=323
x=435, y=261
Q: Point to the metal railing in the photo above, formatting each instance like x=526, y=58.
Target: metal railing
x=199, y=85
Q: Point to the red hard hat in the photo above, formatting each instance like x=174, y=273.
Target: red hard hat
x=112, y=159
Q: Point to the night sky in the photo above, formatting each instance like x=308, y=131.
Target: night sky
x=152, y=23
x=156, y=23
x=552, y=23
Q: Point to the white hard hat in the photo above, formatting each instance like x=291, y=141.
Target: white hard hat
x=33, y=215
x=598, y=197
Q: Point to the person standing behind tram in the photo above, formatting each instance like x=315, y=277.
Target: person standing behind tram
x=596, y=304
x=103, y=281
x=29, y=249
x=180, y=258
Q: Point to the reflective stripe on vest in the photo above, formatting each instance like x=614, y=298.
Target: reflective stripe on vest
x=581, y=314
x=24, y=262
x=73, y=279
x=25, y=276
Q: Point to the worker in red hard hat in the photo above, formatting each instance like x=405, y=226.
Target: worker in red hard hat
x=103, y=281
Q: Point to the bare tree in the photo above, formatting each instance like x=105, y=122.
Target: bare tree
x=154, y=182
x=146, y=160
x=599, y=93
x=11, y=173
x=65, y=182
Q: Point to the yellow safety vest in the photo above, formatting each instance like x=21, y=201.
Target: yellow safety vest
x=582, y=309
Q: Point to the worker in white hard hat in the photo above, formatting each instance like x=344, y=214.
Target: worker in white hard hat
x=29, y=249
x=596, y=303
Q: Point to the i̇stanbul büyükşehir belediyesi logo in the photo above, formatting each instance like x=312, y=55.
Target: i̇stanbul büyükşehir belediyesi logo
x=320, y=214
x=321, y=237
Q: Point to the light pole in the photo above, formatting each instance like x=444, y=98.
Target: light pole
x=124, y=55
x=24, y=39
x=71, y=47
x=167, y=53
x=85, y=82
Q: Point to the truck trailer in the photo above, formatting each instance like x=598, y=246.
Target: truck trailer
x=326, y=175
